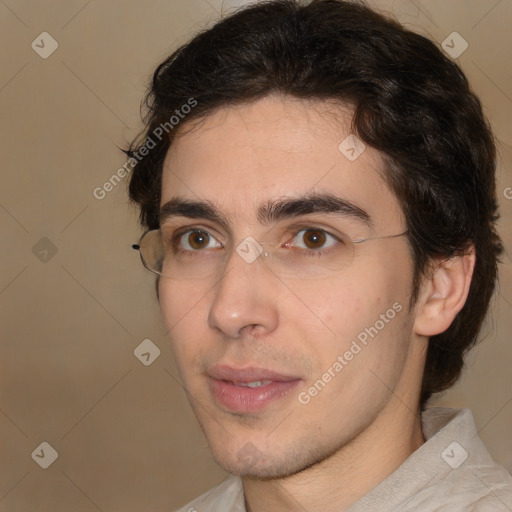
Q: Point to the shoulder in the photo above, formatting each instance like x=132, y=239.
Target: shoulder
x=479, y=488
x=227, y=496
x=473, y=481
x=451, y=472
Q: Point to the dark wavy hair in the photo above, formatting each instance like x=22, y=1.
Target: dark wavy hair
x=411, y=103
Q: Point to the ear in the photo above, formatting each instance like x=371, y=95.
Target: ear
x=444, y=294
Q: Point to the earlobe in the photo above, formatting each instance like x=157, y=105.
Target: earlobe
x=444, y=294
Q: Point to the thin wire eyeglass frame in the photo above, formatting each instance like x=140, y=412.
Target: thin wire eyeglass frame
x=138, y=247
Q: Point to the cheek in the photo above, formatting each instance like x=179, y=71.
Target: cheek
x=184, y=314
x=369, y=309
x=340, y=307
x=179, y=300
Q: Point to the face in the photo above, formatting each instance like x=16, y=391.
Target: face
x=321, y=350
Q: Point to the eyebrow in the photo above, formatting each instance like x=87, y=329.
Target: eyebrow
x=270, y=212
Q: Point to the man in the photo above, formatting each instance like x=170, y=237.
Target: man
x=318, y=188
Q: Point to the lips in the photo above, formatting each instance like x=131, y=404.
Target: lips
x=249, y=389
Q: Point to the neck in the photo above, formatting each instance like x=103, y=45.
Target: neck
x=337, y=482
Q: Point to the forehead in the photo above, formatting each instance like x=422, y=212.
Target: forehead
x=241, y=157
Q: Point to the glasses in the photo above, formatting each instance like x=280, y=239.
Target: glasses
x=195, y=253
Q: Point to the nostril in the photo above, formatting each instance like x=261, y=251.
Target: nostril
x=249, y=330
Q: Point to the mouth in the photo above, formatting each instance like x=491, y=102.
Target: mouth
x=247, y=390
x=255, y=384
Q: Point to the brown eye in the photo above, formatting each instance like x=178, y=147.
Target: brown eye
x=314, y=238
x=198, y=239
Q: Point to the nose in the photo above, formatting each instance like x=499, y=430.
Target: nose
x=244, y=301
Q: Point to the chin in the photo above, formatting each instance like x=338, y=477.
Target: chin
x=250, y=462
x=260, y=471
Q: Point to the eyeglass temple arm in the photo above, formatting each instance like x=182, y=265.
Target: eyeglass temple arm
x=361, y=240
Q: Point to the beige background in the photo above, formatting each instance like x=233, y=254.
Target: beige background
x=125, y=437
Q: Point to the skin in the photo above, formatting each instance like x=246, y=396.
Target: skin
x=364, y=423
